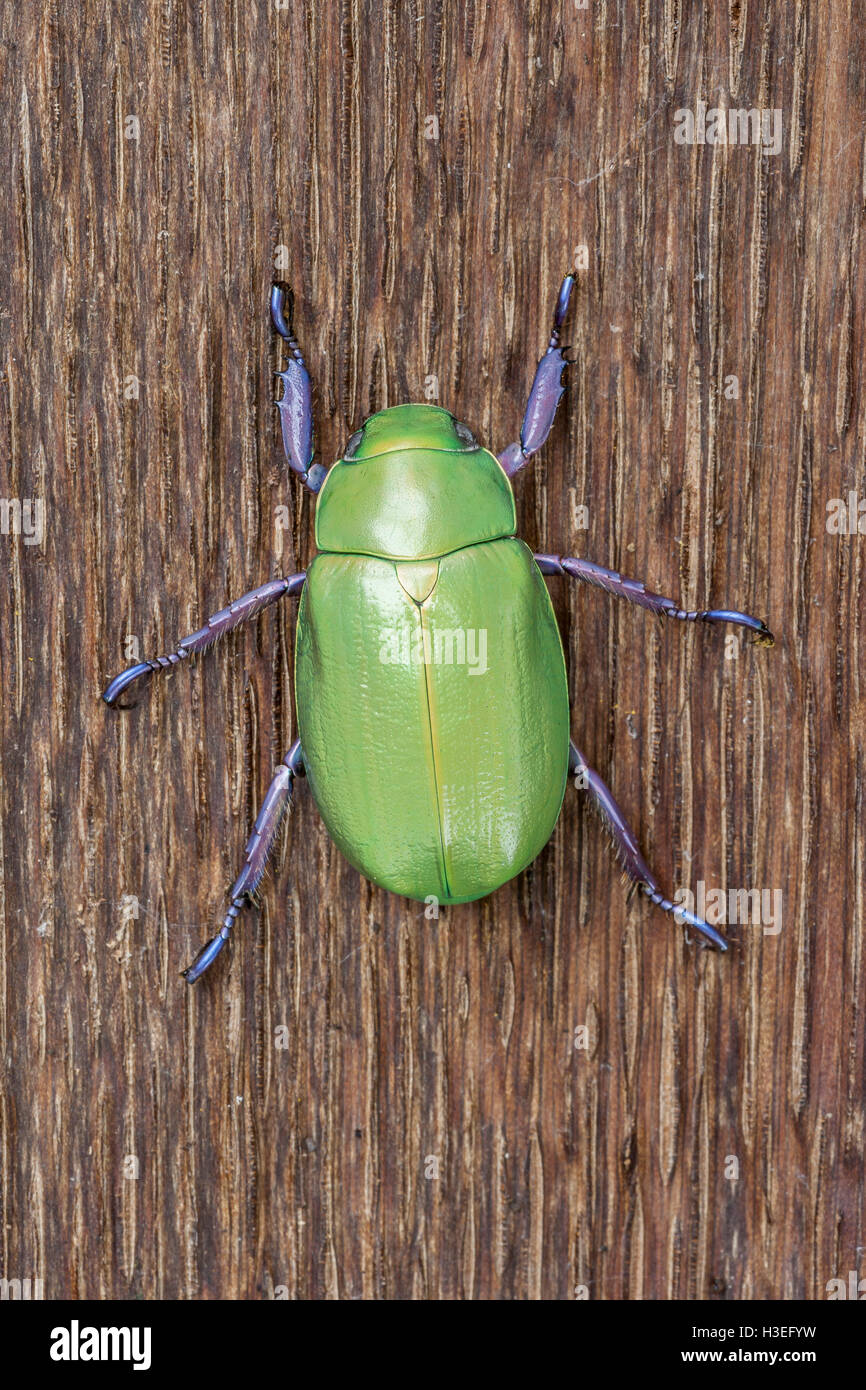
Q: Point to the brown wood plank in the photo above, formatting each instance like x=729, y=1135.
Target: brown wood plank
x=414, y=1048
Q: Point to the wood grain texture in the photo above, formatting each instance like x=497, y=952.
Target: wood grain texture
x=300, y=1160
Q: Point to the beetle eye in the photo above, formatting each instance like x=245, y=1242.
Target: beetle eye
x=352, y=446
x=465, y=435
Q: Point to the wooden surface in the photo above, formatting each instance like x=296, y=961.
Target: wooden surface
x=288, y=1117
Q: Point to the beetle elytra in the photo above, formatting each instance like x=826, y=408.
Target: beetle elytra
x=430, y=682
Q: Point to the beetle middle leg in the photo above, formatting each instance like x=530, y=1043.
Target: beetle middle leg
x=258, y=848
x=216, y=626
x=635, y=591
x=627, y=847
x=545, y=394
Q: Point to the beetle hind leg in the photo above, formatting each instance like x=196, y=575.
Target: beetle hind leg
x=627, y=847
x=256, y=854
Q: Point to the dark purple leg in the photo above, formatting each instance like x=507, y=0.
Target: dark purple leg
x=217, y=626
x=545, y=395
x=634, y=591
x=296, y=403
x=259, y=846
x=627, y=848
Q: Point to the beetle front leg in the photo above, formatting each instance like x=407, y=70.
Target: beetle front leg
x=627, y=847
x=547, y=389
x=216, y=626
x=635, y=592
x=296, y=404
x=258, y=848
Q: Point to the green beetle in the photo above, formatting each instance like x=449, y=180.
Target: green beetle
x=430, y=680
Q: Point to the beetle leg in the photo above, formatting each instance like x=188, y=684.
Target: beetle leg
x=546, y=392
x=627, y=847
x=635, y=592
x=259, y=846
x=296, y=404
x=216, y=626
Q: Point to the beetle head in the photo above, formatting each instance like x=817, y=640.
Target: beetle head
x=409, y=427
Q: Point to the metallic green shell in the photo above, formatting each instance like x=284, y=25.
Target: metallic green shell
x=433, y=713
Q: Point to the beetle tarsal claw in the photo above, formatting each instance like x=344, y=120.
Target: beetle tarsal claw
x=121, y=684
x=205, y=957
